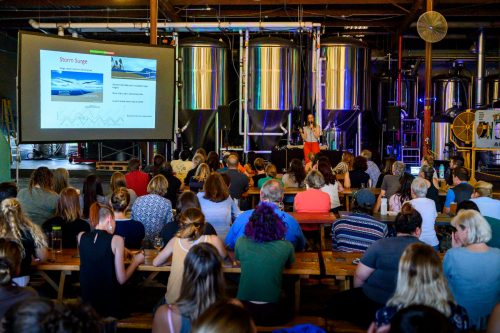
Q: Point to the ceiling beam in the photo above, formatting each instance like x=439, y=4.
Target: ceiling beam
x=184, y=3
x=278, y=12
x=72, y=3
x=169, y=10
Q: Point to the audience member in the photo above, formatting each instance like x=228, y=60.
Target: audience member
x=130, y=230
x=420, y=319
x=217, y=205
x=68, y=218
x=493, y=222
x=61, y=177
x=11, y=254
x=201, y=285
x=271, y=173
x=313, y=158
x=358, y=176
x=259, y=165
x=428, y=161
x=202, y=152
x=8, y=190
x=389, y=162
x=225, y=317
x=136, y=179
x=186, y=200
x=391, y=183
x=249, y=165
x=295, y=175
x=472, y=268
x=239, y=181
x=118, y=180
x=213, y=161
x=39, y=200
x=421, y=281
x=153, y=210
x=174, y=184
x=102, y=263
x=427, y=210
x=182, y=165
x=92, y=192
x=376, y=274
x=40, y=315
x=373, y=170
x=157, y=166
x=14, y=224
x=313, y=199
x=426, y=173
x=271, y=194
x=455, y=162
x=482, y=197
x=198, y=180
x=263, y=255
x=197, y=160
x=345, y=164
x=494, y=322
x=461, y=190
x=357, y=231
x=332, y=187
x=191, y=233
x=397, y=200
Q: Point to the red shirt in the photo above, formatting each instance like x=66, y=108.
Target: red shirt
x=312, y=201
x=138, y=181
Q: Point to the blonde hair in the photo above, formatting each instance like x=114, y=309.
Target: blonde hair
x=120, y=199
x=366, y=154
x=478, y=229
x=271, y=171
x=398, y=169
x=61, y=176
x=202, y=172
x=198, y=159
x=117, y=180
x=13, y=223
x=192, y=224
x=158, y=185
x=421, y=280
x=68, y=205
x=484, y=189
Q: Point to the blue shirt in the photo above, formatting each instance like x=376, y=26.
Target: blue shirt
x=474, y=280
x=219, y=214
x=293, y=232
x=450, y=197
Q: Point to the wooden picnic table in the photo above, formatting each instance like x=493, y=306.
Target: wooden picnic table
x=320, y=220
x=306, y=264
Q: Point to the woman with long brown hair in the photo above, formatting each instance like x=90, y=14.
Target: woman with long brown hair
x=92, y=192
x=68, y=217
x=191, y=232
x=217, y=205
x=14, y=224
x=39, y=200
x=118, y=180
x=61, y=178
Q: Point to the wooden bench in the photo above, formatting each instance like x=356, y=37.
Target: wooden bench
x=137, y=321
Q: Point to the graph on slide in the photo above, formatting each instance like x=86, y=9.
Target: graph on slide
x=90, y=119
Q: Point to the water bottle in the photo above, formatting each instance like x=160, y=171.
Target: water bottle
x=383, y=206
x=56, y=239
x=441, y=171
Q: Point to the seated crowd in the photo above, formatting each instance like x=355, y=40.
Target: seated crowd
x=195, y=211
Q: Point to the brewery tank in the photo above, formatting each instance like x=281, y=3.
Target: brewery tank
x=273, y=88
x=345, y=85
x=203, y=79
x=493, y=91
x=451, y=96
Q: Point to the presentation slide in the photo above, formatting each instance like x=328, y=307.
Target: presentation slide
x=96, y=91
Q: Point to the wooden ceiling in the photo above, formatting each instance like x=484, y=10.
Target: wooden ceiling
x=381, y=17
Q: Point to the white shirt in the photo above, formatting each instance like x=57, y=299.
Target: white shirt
x=488, y=206
x=427, y=208
x=333, y=191
x=310, y=134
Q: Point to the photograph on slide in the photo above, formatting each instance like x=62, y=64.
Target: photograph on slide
x=68, y=86
x=133, y=68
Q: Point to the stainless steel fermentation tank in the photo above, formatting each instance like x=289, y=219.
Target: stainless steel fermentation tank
x=451, y=96
x=345, y=91
x=203, y=80
x=273, y=90
x=493, y=91
x=385, y=95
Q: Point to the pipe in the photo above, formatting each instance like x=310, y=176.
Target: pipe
x=153, y=31
x=177, y=89
x=180, y=26
x=400, y=69
x=319, y=67
x=427, y=104
x=240, y=83
x=360, y=134
x=245, y=94
x=480, y=70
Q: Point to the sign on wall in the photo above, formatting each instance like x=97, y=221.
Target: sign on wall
x=487, y=131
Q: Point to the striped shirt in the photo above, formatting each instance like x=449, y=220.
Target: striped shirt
x=357, y=232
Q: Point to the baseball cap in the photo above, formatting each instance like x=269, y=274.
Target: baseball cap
x=365, y=198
